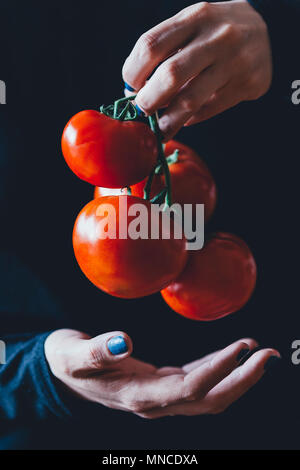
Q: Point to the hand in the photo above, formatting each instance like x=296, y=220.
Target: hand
x=210, y=57
x=101, y=370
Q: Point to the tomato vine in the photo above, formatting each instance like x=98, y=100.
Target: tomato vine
x=124, y=110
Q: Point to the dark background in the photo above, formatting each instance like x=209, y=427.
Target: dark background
x=58, y=58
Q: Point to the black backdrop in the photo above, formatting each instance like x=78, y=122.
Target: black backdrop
x=58, y=58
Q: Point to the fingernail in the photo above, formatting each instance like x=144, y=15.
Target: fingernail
x=271, y=362
x=243, y=352
x=128, y=87
x=140, y=112
x=117, y=345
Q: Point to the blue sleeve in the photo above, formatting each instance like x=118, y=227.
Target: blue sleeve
x=282, y=18
x=28, y=389
x=28, y=314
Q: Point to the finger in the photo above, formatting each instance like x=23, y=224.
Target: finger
x=202, y=379
x=198, y=362
x=148, y=392
x=191, y=98
x=223, y=99
x=163, y=371
x=240, y=381
x=156, y=45
x=138, y=367
x=252, y=343
x=102, y=352
x=194, y=364
x=164, y=391
x=225, y=393
x=128, y=92
x=172, y=75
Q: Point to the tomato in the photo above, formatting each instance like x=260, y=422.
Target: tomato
x=191, y=181
x=108, y=152
x=128, y=267
x=99, y=192
x=217, y=280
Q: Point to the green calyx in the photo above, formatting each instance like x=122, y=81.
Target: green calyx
x=124, y=110
x=121, y=110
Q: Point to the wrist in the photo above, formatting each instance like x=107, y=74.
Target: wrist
x=61, y=352
x=55, y=355
x=56, y=347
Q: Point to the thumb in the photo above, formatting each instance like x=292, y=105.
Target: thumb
x=104, y=350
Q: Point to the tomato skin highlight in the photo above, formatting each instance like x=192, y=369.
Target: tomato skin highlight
x=100, y=192
x=108, y=152
x=125, y=268
x=217, y=280
x=191, y=180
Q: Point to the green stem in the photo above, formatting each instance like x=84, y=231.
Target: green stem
x=171, y=159
x=158, y=199
x=161, y=157
x=121, y=100
x=147, y=188
x=124, y=111
x=114, y=110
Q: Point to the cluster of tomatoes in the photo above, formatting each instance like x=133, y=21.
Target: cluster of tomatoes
x=123, y=157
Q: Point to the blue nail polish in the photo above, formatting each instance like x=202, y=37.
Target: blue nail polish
x=139, y=111
x=117, y=345
x=128, y=87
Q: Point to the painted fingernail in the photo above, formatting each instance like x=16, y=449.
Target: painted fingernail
x=140, y=112
x=243, y=352
x=272, y=362
x=128, y=87
x=117, y=345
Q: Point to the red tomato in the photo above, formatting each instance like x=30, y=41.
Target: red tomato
x=127, y=268
x=191, y=180
x=217, y=280
x=107, y=152
x=99, y=192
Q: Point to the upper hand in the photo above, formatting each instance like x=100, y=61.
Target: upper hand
x=209, y=385
x=209, y=57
